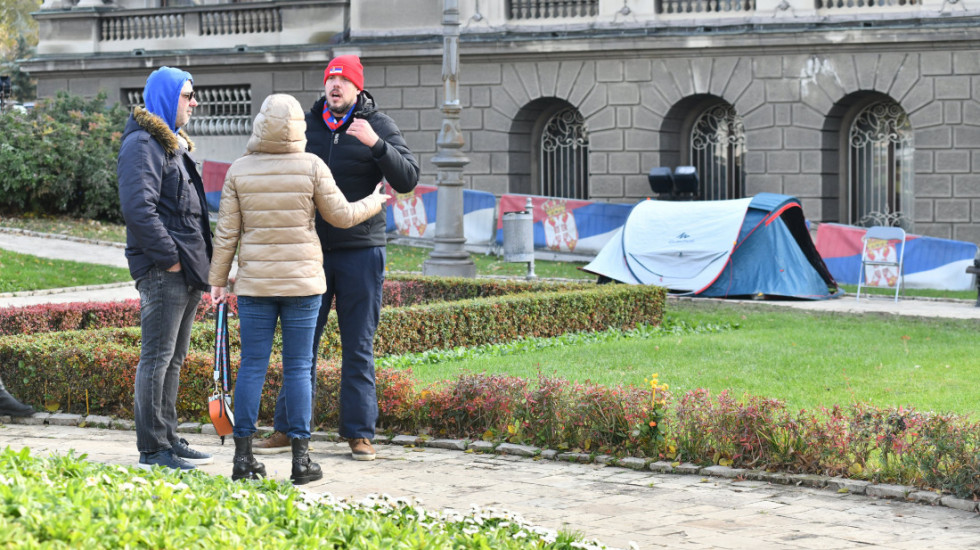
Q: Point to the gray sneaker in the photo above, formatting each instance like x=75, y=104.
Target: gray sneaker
x=166, y=459
x=183, y=451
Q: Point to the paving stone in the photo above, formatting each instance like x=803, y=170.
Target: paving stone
x=64, y=419
x=451, y=444
x=189, y=427
x=661, y=466
x=518, y=450
x=378, y=438
x=549, y=454
x=604, y=459
x=208, y=429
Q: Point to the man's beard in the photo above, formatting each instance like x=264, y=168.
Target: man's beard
x=342, y=110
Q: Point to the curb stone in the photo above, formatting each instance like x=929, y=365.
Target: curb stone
x=633, y=463
x=517, y=452
x=724, y=471
x=844, y=485
x=450, y=444
x=959, y=503
x=484, y=447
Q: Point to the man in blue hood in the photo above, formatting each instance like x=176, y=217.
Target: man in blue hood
x=168, y=246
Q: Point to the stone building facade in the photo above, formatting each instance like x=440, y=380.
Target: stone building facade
x=865, y=110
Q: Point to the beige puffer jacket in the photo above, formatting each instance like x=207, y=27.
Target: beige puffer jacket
x=267, y=209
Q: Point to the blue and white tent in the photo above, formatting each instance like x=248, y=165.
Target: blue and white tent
x=753, y=247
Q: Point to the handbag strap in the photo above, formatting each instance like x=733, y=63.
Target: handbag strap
x=221, y=353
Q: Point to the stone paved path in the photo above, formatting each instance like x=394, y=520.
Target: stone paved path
x=614, y=505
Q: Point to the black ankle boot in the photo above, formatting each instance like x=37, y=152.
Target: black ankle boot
x=245, y=466
x=10, y=406
x=304, y=469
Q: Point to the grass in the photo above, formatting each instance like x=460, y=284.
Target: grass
x=400, y=257
x=409, y=258
x=807, y=359
x=26, y=272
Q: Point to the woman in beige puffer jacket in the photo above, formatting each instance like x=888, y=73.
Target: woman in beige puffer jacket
x=267, y=213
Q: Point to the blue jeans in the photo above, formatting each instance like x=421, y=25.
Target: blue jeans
x=355, y=277
x=167, y=308
x=258, y=315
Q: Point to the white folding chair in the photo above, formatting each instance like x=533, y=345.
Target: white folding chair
x=882, y=258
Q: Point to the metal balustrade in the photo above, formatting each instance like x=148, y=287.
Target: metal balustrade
x=548, y=9
x=705, y=6
x=221, y=111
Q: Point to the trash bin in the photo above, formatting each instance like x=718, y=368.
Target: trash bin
x=519, y=237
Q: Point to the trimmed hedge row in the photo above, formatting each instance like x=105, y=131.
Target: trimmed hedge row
x=399, y=290
x=93, y=371
x=479, y=321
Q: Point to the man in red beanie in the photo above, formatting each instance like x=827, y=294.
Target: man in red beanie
x=362, y=147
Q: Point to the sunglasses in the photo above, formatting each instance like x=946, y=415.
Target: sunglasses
x=189, y=96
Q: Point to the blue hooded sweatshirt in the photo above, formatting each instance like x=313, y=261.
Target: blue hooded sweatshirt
x=162, y=93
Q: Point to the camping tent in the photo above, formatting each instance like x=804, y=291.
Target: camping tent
x=751, y=247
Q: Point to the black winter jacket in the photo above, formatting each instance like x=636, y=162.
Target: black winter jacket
x=357, y=169
x=163, y=202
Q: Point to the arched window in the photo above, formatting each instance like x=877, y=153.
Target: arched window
x=880, y=151
x=564, y=156
x=717, y=150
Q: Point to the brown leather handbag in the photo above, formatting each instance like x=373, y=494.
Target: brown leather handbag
x=219, y=404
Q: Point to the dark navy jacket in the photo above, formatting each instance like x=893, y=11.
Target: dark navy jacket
x=163, y=201
x=357, y=168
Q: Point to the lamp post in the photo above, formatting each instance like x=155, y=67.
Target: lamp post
x=449, y=258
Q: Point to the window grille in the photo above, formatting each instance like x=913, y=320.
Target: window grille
x=221, y=110
x=717, y=152
x=880, y=151
x=564, y=158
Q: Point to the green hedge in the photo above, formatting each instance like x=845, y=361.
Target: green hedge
x=490, y=320
x=92, y=372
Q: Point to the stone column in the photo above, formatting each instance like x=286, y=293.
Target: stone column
x=449, y=258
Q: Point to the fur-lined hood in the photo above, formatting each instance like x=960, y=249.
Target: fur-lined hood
x=159, y=130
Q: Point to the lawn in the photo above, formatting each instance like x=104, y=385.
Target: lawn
x=26, y=272
x=808, y=359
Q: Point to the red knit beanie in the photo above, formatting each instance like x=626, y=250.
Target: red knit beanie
x=347, y=66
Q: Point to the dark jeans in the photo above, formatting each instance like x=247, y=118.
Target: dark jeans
x=258, y=315
x=167, y=308
x=355, y=278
